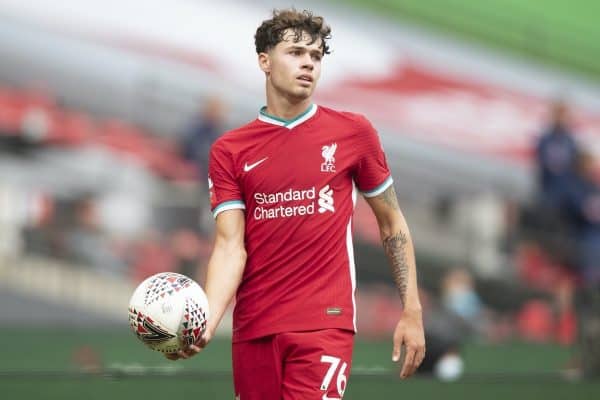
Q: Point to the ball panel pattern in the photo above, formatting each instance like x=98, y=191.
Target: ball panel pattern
x=165, y=284
x=193, y=322
x=147, y=330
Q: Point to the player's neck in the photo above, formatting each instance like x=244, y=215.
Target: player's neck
x=285, y=109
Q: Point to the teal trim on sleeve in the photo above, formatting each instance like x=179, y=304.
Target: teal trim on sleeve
x=228, y=205
x=379, y=189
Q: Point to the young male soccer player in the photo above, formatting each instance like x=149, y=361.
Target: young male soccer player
x=283, y=189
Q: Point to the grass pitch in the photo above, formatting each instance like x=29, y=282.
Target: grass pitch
x=47, y=364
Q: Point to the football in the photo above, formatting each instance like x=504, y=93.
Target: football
x=168, y=311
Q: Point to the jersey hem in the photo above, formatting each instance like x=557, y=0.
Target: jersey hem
x=268, y=332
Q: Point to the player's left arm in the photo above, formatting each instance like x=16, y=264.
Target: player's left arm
x=397, y=244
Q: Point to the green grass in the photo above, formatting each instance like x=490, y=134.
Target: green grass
x=101, y=389
x=562, y=33
x=55, y=350
x=38, y=364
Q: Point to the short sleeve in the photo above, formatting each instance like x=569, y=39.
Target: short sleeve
x=372, y=174
x=224, y=189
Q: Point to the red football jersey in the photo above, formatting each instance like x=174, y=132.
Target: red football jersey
x=297, y=180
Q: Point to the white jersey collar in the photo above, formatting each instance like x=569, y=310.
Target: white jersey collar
x=288, y=123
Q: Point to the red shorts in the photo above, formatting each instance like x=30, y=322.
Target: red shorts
x=293, y=365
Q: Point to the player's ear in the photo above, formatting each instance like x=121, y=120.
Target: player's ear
x=264, y=62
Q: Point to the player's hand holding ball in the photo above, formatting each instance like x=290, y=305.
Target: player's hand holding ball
x=169, y=312
x=193, y=349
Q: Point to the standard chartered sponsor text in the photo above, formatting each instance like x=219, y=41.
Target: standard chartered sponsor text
x=288, y=195
x=283, y=212
x=269, y=205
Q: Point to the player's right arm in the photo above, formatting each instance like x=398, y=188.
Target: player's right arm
x=226, y=265
x=225, y=269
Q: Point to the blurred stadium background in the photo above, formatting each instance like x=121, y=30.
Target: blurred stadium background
x=106, y=112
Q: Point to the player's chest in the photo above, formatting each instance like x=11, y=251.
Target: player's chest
x=297, y=160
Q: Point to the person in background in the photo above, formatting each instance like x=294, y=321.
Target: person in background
x=88, y=244
x=445, y=335
x=204, y=130
x=556, y=155
x=460, y=298
x=206, y=127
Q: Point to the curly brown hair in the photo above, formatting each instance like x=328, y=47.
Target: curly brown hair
x=271, y=31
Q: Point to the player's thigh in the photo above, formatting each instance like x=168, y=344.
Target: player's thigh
x=317, y=364
x=256, y=370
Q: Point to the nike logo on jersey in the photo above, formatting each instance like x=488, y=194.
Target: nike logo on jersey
x=248, y=167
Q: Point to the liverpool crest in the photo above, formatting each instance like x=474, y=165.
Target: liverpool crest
x=328, y=152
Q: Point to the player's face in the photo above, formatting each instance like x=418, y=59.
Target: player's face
x=293, y=68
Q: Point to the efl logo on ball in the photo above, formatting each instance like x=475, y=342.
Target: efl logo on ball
x=168, y=311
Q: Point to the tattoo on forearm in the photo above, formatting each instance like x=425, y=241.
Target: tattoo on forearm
x=389, y=197
x=395, y=248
